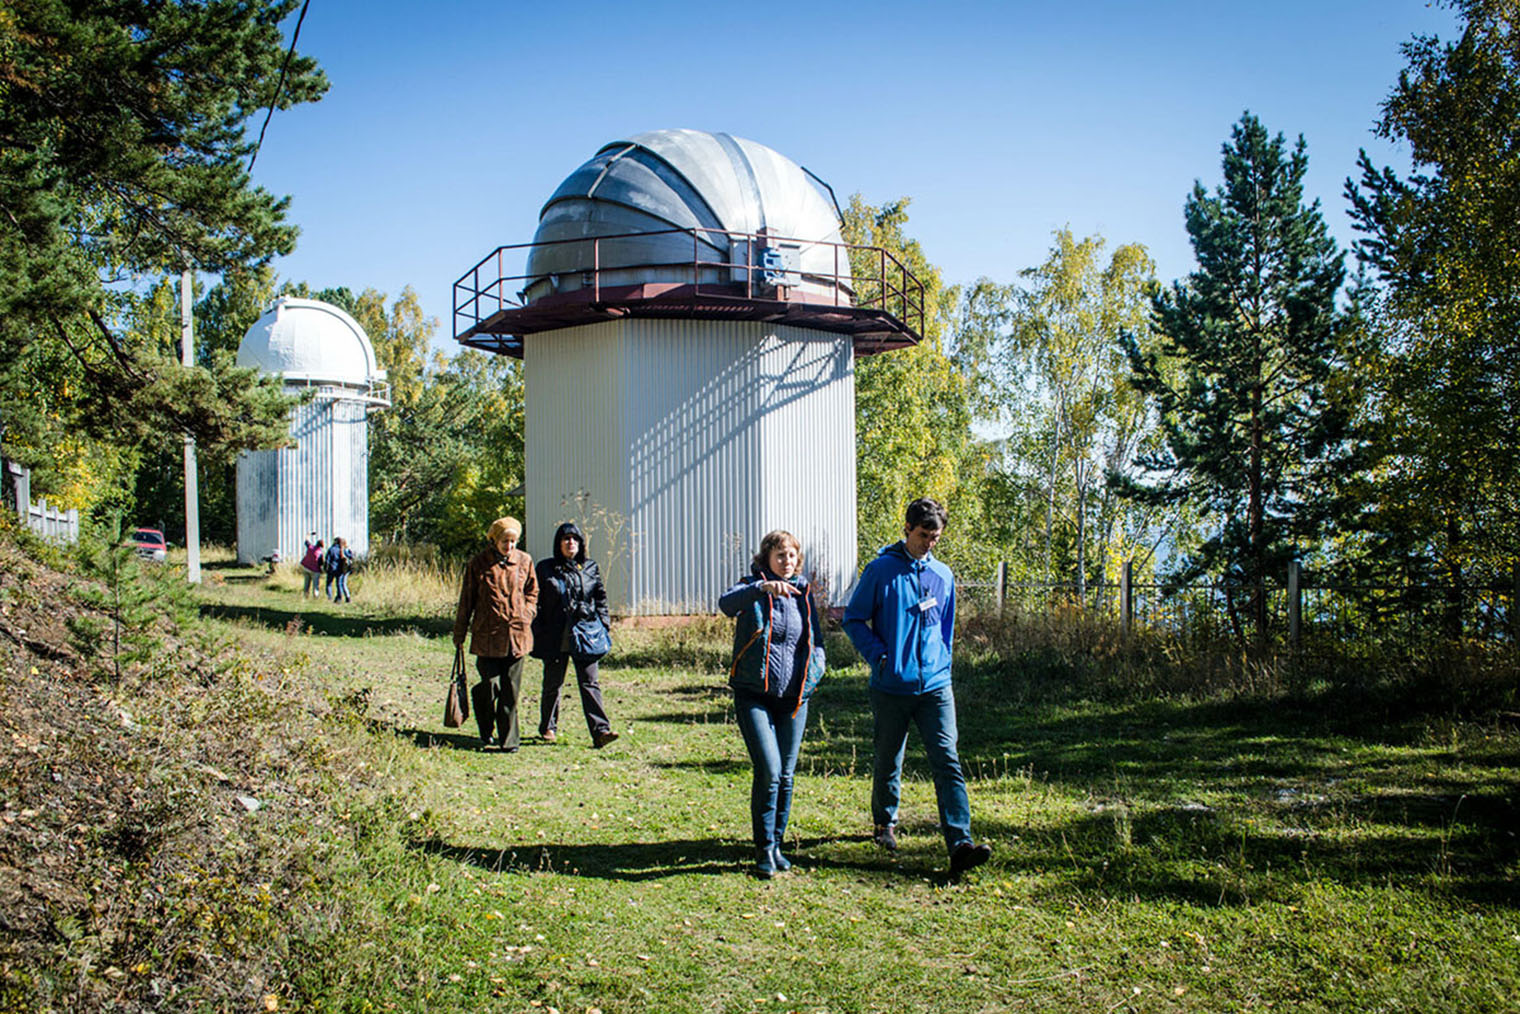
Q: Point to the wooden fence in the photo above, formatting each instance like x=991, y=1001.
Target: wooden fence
x=48, y=522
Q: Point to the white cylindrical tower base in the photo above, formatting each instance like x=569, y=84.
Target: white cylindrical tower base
x=677, y=444
x=320, y=485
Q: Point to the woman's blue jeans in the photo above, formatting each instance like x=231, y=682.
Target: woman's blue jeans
x=773, y=735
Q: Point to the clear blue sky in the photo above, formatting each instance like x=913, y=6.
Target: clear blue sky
x=448, y=124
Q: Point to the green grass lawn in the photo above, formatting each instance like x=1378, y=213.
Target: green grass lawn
x=1157, y=856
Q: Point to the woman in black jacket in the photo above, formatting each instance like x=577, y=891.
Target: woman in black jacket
x=572, y=623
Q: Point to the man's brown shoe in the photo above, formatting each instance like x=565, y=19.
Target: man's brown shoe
x=601, y=739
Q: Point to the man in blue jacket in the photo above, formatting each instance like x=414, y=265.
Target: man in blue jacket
x=901, y=619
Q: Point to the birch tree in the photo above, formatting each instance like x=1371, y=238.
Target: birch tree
x=1443, y=241
x=1057, y=378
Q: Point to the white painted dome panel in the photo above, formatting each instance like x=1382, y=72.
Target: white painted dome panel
x=309, y=341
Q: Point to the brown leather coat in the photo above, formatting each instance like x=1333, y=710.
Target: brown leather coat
x=497, y=604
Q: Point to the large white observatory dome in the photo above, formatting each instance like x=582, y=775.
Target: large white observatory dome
x=709, y=198
x=689, y=321
x=310, y=342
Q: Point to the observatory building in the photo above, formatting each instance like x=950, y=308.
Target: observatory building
x=688, y=319
x=321, y=483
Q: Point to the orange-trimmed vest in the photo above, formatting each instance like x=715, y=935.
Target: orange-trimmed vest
x=754, y=613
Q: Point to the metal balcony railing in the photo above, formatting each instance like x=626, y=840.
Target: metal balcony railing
x=845, y=277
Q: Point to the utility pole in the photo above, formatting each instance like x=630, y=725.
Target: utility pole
x=192, y=490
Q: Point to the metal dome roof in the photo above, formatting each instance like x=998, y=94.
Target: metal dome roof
x=728, y=189
x=686, y=224
x=308, y=341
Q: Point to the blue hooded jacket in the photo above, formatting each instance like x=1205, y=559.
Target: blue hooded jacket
x=901, y=619
x=759, y=666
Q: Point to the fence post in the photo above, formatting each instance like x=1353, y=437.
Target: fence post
x=22, y=484
x=1002, y=585
x=1295, y=602
x=1126, y=596
x=1514, y=605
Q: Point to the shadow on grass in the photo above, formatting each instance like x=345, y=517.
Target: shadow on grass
x=332, y=624
x=656, y=860
x=724, y=717
x=1150, y=746
x=428, y=739
x=623, y=861
x=705, y=691
x=1212, y=860
x=711, y=767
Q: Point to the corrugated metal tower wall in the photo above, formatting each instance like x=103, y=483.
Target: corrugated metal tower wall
x=321, y=484
x=677, y=444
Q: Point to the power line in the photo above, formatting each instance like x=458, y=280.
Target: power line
x=280, y=86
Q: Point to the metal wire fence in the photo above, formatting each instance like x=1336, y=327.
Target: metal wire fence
x=1307, y=606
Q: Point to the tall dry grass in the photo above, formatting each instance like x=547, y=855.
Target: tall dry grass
x=407, y=579
x=392, y=580
x=1068, y=652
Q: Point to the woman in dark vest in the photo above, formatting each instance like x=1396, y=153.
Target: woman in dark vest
x=778, y=660
x=572, y=625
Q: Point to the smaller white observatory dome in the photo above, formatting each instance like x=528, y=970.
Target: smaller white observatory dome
x=310, y=342
x=320, y=483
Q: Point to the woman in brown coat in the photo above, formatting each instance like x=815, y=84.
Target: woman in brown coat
x=496, y=607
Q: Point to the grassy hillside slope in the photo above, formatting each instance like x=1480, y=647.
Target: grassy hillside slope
x=1162, y=853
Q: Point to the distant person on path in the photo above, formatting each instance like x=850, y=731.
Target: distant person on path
x=901, y=619
x=330, y=566
x=336, y=564
x=497, y=603
x=778, y=660
x=572, y=623
x=311, y=567
x=344, y=565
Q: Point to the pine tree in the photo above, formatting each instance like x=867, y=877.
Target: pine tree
x=1253, y=437
x=124, y=151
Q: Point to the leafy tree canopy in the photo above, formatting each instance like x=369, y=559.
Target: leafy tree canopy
x=1059, y=381
x=912, y=408
x=123, y=152
x=1444, y=244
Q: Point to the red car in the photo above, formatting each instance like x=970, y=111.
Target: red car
x=150, y=544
